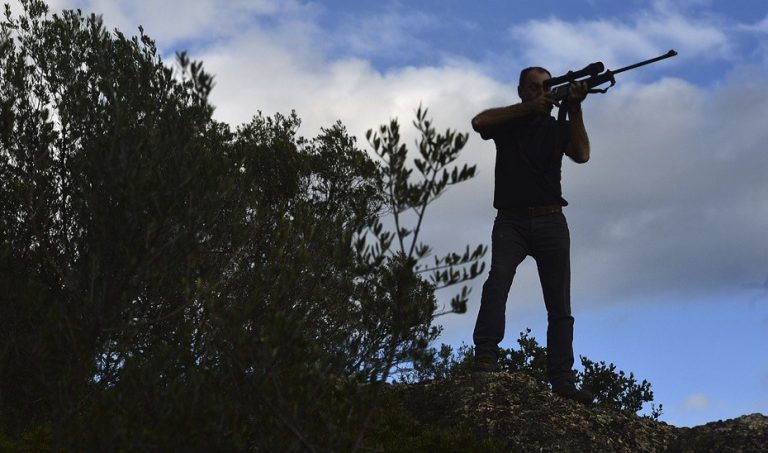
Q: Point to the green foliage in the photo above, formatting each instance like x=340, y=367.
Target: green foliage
x=438, y=364
x=530, y=358
x=407, y=191
x=406, y=195
x=616, y=389
x=170, y=283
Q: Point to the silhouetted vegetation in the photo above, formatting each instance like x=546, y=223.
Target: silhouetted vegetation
x=167, y=282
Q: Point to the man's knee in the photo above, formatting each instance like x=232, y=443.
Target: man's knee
x=560, y=317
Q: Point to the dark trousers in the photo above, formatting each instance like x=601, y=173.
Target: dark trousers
x=547, y=240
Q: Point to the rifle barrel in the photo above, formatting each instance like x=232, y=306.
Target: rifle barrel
x=671, y=53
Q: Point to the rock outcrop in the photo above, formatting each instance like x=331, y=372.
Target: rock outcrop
x=525, y=416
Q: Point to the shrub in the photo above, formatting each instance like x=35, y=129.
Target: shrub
x=612, y=388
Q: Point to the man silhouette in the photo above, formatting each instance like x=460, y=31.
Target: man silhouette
x=530, y=145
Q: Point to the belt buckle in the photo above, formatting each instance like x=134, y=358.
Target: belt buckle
x=538, y=211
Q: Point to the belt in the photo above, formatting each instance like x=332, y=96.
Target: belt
x=534, y=211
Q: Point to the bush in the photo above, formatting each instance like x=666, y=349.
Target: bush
x=617, y=390
x=612, y=388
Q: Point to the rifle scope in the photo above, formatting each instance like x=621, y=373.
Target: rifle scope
x=570, y=76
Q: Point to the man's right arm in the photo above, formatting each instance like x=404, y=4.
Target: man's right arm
x=489, y=120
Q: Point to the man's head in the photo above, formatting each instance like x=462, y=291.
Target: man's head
x=531, y=83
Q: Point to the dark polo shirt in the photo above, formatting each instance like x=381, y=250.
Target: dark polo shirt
x=529, y=156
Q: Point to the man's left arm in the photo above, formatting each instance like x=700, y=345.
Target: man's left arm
x=578, y=141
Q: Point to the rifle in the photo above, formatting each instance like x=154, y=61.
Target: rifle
x=595, y=74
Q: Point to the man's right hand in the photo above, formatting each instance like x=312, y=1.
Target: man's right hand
x=541, y=106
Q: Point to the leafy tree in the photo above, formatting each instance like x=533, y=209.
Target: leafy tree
x=169, y=282
x=437, y=172
x=406, y=198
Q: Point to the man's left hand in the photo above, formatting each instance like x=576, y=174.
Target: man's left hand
x=578, y=92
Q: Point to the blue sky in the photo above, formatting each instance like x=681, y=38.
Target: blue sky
x=669, y=218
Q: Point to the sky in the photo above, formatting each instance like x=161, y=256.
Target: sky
x=669, y=217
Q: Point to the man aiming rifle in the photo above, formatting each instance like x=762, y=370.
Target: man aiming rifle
x=530, y=145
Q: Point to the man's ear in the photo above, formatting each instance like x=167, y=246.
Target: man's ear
x=519, y=93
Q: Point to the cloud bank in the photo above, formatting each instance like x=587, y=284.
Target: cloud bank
x=673, y=201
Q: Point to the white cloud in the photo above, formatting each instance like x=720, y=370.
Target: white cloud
x=618, y=43
x=54, y=6
x=170, y=21
x=573, y=44
x=390, y=33
x=757, y=31
x=673, y=200
x=695, y=402
x=679, y=171
x=758, y=27
x=270, y=71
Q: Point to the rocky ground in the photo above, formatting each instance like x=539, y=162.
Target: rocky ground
x=525, y=416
